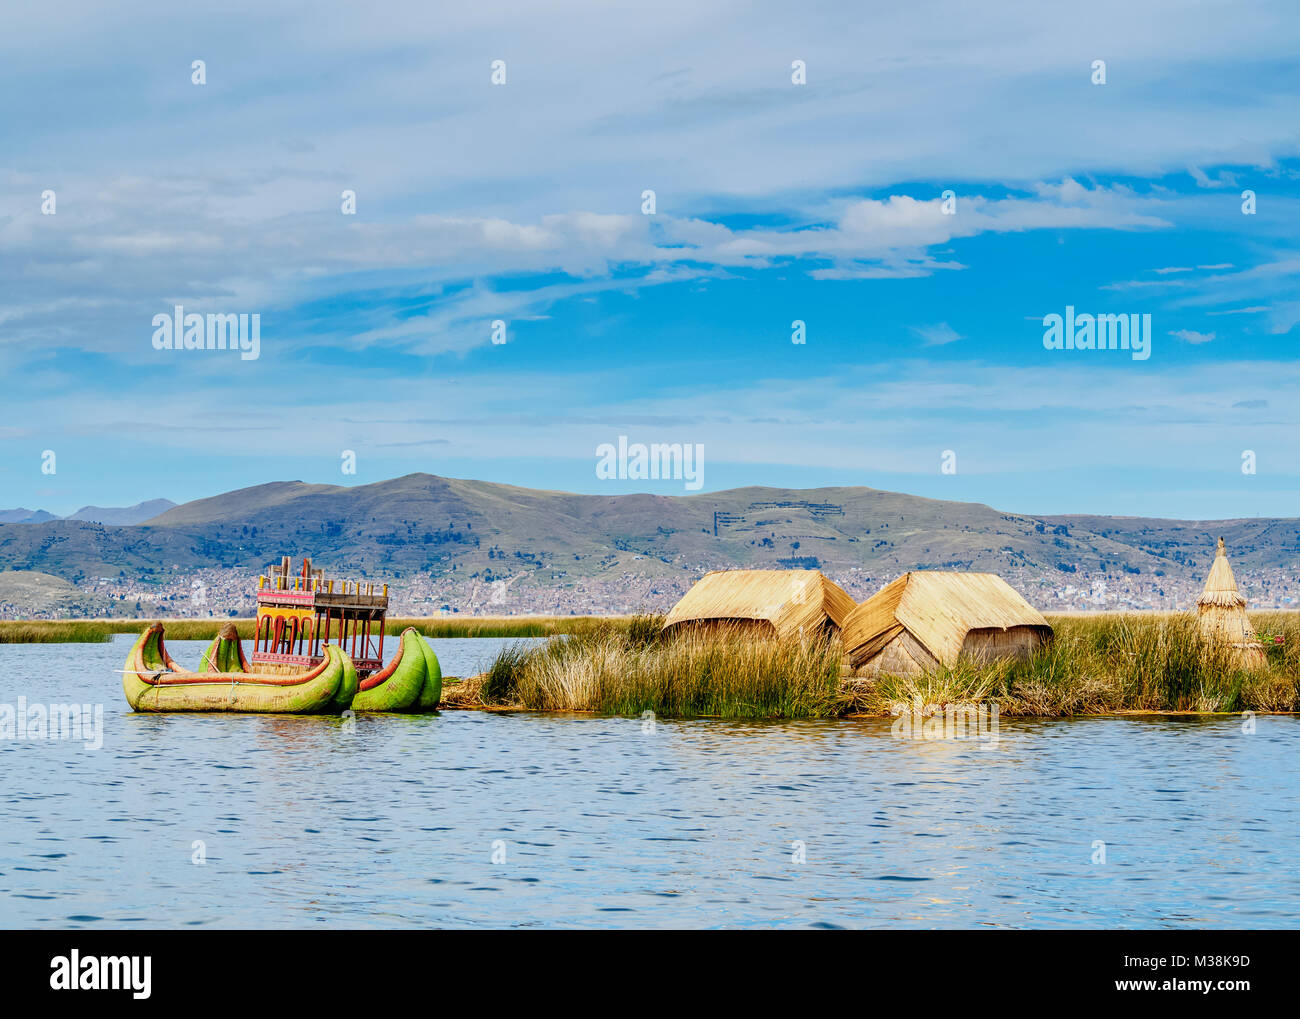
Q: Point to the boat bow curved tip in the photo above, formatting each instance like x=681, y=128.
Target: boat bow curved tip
x=397, y=686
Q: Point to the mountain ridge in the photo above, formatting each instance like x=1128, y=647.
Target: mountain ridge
x=460, y=543
x=123, y=515
x=120, y=515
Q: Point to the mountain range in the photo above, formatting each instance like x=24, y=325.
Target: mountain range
x=455, y=532
x=125, y=515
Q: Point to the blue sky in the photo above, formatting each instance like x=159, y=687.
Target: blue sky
x=522, y=202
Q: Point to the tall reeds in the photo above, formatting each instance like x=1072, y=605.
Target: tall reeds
x=89, y=631
x=41, y=631
x=1094, y=665
x=632, y=669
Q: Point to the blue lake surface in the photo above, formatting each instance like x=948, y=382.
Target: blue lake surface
x=471, y=819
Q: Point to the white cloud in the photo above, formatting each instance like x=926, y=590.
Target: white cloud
x=938, y=334
x=91, y=276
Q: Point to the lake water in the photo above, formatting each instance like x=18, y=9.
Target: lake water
x=466, y=818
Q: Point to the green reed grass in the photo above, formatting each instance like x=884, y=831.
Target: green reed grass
x=632, y=669
x=90, y=631
x=1095, y=665
x=53, y=632
x=1107, y=663
x=502, y=626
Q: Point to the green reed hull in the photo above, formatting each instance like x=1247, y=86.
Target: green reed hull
x=153, y=682
x=397, y=686
x=347, y=690
x=431, y=692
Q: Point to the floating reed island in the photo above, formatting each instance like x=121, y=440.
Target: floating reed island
x=784, y=643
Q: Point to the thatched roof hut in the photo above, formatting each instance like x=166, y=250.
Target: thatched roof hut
x=769, y=602
x=1221, y=612
x=925, y=619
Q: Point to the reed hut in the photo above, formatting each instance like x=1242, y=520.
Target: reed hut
x=1221, y=613
x=925, y=619
x=770, y=603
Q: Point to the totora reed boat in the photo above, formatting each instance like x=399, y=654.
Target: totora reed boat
x=316, y=650
x=152, y=681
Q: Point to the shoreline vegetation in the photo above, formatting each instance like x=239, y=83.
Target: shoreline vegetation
x=1104, y=664
x=101, y=631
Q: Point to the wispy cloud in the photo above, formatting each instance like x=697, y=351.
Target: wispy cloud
x=938, y=334
x=1191, y=336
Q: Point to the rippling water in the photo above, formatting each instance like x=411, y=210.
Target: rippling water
x=394, y=821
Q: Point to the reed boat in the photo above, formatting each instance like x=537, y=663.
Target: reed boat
x=318, y=648
x=152, y=681
x=411, y=681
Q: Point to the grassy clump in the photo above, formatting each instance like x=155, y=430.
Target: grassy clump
x=1106, y=663
x=498, y=684
x=1095, y=665
x=632, y=669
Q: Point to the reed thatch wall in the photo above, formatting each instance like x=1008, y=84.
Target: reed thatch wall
x=926, y=618
x=772, y=602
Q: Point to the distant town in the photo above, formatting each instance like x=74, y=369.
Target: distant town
x=230, y=592
x=449, y=546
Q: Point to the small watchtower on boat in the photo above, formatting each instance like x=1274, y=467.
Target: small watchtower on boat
x=297, y=615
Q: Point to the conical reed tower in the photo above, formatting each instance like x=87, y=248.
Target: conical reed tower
x=1221, y=610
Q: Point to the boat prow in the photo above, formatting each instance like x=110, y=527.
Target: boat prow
x=411, y=681
x=225, y=653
